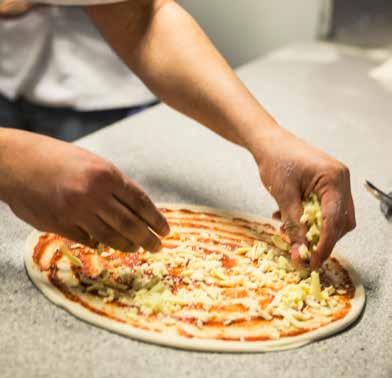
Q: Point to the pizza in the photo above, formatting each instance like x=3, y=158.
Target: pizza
x=222, y=281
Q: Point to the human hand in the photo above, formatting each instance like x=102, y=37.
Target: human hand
x=292, y=169
x=58, y=187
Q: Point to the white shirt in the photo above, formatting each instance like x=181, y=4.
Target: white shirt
x=54, y=56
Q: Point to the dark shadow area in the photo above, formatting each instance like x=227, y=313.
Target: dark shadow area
x=366, y=23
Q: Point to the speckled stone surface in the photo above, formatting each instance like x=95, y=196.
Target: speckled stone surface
x=330, y=103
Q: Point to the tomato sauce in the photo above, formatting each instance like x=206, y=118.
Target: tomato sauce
x=232, y=239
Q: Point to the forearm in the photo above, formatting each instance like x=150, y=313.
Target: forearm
x=5, y=146
x=15, y=145
x=165, y=47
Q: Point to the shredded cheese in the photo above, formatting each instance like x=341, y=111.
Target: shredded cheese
x=304, y=252
x=262, y=283
x=280, y=243
x=315, y=285
x=71, y=257
x=312, y=218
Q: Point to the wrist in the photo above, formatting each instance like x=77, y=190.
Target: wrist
x=5, y=180
x=262, y=138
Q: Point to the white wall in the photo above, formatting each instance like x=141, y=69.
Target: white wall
x=245, y=29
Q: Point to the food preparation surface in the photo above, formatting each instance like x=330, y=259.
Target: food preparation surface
x=325, y=97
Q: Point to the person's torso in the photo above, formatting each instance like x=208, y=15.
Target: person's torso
x=55, y=56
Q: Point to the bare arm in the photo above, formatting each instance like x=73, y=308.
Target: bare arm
x=166, y=48
x=61, y=188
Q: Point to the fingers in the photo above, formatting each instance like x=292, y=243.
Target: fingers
x=77, y=234
x=103, y=232
x=292, y=211
x=121, y=215
x=120, y=218
x=325, y=245
x=338, y=211
x=137, y=200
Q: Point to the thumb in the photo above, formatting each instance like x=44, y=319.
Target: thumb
x=296, y=231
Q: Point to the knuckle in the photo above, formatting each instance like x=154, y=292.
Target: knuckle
x=100, y=173
x=71, y=194
x=143, y=202
x=94, y=175
x=136, y=234
x=340, y=173
x=341, y=168
x=124, y=222
x=132, y=230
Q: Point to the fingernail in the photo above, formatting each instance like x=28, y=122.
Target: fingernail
x=163, y=229
x=166, y=229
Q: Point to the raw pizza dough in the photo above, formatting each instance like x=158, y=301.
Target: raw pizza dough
x=197, y=335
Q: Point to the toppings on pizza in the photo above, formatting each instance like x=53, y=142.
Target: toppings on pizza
x=72, y=258
x=280, y=243
x=216, y=277
x=313, y=219
x=315, y=285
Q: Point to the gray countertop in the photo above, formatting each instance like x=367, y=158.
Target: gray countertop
x=324, y=97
